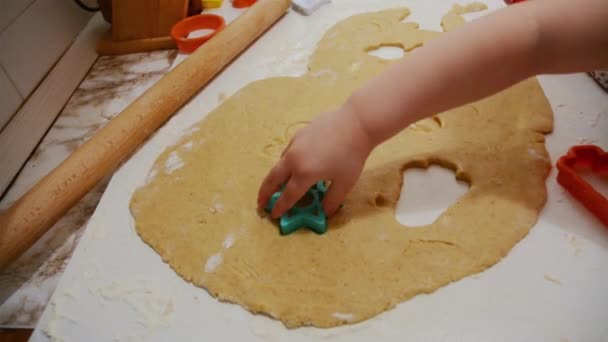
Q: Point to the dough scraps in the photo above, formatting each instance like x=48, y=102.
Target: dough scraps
x=198, y=212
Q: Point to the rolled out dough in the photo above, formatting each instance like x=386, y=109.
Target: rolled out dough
x=198, y=210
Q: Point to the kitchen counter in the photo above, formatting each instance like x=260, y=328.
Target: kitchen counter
x=111, y=84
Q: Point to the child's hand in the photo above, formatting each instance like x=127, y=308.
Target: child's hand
x=333, y=147
x=531, y=36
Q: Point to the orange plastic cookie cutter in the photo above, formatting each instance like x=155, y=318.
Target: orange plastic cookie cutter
x=579, y=158
x=242, y=3
x=182, y=29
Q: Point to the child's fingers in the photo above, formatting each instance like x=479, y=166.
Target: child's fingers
x=272, y=183
x=286, y=148
x=294, y=190
x=335, y=195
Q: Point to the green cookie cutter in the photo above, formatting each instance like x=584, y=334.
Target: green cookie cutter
x=310, y=215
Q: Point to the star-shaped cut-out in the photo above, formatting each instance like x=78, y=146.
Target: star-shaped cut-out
x=310, y=215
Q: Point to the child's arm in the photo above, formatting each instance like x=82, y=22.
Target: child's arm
x=484, y=57
x=477, y=60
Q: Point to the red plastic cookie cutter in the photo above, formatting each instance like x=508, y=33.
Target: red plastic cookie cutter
x=243, y=3
x=180, y=31
x=579, y=158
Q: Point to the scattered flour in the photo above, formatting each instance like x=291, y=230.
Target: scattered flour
x=229, y=241
x=216, y=208
x=154, y=307
x=533, y=153
x=191, y=130
x=354, y=67
x=586, y=141
x=188, y=146
x=174, y=162
x=331, y=75
x=50, y=330
x=213, y=262
x=151, y=175
x=344, y=316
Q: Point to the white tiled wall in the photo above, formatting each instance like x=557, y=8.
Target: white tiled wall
x=11, y=10
x=10, y=99
x=33, y=36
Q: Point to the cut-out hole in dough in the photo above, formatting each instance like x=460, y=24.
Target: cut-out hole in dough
x=426, y=194
x=388, y=52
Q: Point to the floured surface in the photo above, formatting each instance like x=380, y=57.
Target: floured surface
x=198, y=212
x=511, y=301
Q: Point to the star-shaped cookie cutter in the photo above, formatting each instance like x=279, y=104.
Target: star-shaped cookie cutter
x=585, y=157
x=310, y=215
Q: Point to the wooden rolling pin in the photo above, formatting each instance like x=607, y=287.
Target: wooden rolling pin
x=38, y=210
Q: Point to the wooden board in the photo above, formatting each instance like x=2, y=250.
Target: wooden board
x=137, y=19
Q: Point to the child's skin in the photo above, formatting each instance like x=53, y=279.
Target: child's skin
x=462, y=66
